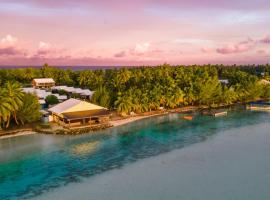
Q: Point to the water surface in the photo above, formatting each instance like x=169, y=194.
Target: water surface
x=34, y=165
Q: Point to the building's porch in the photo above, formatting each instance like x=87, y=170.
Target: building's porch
x=81, y=122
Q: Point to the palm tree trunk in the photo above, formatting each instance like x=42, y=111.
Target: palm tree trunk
x=15, y=118
x=8, y=121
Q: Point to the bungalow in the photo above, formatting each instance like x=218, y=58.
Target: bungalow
x=74, y=113
x=44, y=83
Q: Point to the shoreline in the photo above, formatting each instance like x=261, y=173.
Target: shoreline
x=17, y=134
x=113, y=123
x=120, y=122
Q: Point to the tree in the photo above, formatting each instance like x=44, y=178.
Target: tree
x=5, y=108
x=29, y=111
x=123, y=104
x=14, y=95
x=101, y=97
x=51, y=100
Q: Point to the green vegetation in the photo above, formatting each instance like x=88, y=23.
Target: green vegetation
x=51, y=100
x=149, y=88
x=16, y=106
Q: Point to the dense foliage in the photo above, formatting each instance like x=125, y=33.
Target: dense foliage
x=149, y=88
x=51, y=100
x=16, y=106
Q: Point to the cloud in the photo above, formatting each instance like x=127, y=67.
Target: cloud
x=266, y=39
x=9, y=51
x=8, y=41
x=123, y=4
x=207, y=50
x=120, y=54
x=261, y=52
x=8, y=47
x=140, y=48
x=43, y=48
x=240, y=47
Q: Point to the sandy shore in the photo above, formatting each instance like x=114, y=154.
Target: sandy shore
x=19, y=133
x=131, y=119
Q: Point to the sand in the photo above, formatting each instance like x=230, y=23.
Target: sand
x=21, y=133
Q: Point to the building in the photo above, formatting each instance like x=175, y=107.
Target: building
x=43, y=83
x=82, y=93
x=77, y=113
x=224, y=81
x=42, y=94
x=264, y=82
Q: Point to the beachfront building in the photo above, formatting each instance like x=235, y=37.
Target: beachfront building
x=265, y=82
x=43, y=83
x=77, y=113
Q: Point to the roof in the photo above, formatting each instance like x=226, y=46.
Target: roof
x=74, y=105
x=44, y=80
x=266, y=82
x=41, y=101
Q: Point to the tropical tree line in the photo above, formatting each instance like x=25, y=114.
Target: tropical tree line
x=149, y=88
x=17, y=107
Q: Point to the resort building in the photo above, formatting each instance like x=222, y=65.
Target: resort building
x=43, y=83
x=77, y=113
x=42, y=94
x=224, y=81
x=83, y=93
x=265, y=82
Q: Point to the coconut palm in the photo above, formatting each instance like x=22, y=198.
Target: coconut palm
x=14, y=94
x=123, y=104
x=5, y=108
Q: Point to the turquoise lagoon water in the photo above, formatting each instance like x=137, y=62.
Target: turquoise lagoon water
x=35, y=164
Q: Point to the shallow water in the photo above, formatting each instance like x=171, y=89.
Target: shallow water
x=33, y=165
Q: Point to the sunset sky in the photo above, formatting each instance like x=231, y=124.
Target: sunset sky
x=138, y=32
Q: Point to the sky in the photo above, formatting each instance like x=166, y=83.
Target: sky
x=137, y=32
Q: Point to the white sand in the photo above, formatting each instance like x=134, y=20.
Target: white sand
x=234, y=165
x=22, y=133
x=131, y=119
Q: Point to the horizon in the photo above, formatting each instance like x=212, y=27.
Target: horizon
x=137, y=33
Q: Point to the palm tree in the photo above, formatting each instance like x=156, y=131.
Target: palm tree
x=5, y=108
x=123, y=104
x=14, y=95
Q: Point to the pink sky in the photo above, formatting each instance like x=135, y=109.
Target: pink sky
x=138, y=32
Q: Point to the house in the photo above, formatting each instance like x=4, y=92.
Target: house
x=224, y=81
x=43, y=83
x=42, y=94
x=83, y=93
x=77, y=113
x=264, y=82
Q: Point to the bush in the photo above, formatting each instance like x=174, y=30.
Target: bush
x=51, y=100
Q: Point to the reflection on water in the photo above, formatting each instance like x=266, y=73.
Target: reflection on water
x=85, y=148
x=33, y=164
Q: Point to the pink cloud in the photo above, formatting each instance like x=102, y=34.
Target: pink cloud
x=261, y=51
x=240, y=47
x=10, y=51
x=9, y=47
x=266, y=39
x=120, y=54
x=123, y=4
x=207, y=50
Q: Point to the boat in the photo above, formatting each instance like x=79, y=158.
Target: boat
x=188, y=117
x=215, y=113
x=259, y=106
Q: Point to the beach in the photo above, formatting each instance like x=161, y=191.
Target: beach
x=17, y=134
